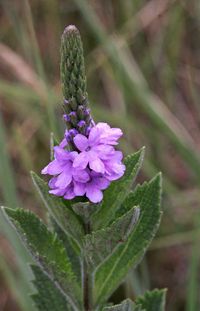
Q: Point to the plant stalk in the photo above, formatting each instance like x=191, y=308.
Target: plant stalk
x=87, y=279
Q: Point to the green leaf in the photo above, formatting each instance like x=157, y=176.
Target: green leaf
x=126, y=305
x=114, y=269
x=153, y=301
x=70, y=250
x=48, y=297
x=47, y=250
x=61, y=213
x=117, y=192
x=100, y=244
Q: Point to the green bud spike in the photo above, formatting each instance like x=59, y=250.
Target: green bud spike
x=73, y=79
x=72, y=66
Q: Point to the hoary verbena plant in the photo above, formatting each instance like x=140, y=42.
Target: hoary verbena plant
x=98, y=227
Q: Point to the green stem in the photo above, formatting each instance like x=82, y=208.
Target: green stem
x=87, y=279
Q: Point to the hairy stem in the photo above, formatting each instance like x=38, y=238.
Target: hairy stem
x=87, y=279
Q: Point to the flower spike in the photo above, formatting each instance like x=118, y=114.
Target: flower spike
x=92, y=162
x=73, y=79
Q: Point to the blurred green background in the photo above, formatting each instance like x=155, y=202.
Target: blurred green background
x=143, y=69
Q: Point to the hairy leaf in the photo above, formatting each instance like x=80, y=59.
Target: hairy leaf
x=117, y=192
x=100, y=244
x=114, y=269
x=153, y=300
x=126, y=305
x=68, y=243
x=47, y=250
x=62, y=214
x=48, y=297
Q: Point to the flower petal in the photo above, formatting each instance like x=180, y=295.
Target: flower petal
x=79, y=188
x=64, y=179
x=81, y=161
x=110, y=135
x=97, y=165
x=94, y=136
x=80, y=175
x=94, y=194
x=118, y=156
x=63, y=143
x=103, y=126
x=53, y=168
x=81, y=142
x=61, y=154
x=115, y=171
x=69, y=194
x=102, y=183
x=73, y=155
x=104, y=151
x=57, y=192
x=52, y=182
x=119, y=168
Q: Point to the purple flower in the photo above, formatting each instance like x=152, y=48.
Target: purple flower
x=107, y=135
x=63, y=170
x=71, y=191
x=98, y=152
x=91, y=168
x=70, y=182
x=94, y=187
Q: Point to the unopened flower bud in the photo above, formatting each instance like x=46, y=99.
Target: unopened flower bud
x=81, y=112
x=73, y=103
x=66, y=117
x=82, y=126
x=73, y=118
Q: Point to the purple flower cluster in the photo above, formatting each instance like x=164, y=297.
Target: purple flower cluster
x=88, y=170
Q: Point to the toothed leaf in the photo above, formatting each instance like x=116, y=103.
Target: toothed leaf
x=100, y=244
x=70, y=250
x=153, y=300
x=126, y=305
x=47, y=297
x=47, y=250
x=61, y=213
x=114, y=269
x=117, y=191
